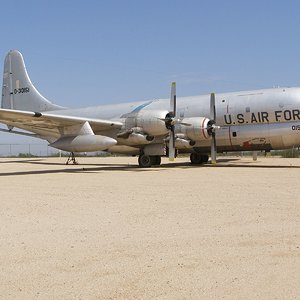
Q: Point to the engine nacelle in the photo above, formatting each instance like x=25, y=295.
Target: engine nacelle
x=151, y=122
x=198, y=129
x=135, y=138
x=183, y=144
x=84, y=143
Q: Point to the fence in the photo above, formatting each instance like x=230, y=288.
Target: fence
x=42, y=150
x=27, y=150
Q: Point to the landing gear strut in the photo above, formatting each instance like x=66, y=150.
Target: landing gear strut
x=147, y=161
x=72, y=159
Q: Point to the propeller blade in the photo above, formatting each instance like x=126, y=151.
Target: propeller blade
x=177, y=121
x=213, y=149
x=172, y=145
x=173, y=100
x=183, y=123
x=254, y=155
x=213, y=106
x=170, y=121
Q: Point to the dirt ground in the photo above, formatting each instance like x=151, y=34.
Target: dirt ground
x=106, y=229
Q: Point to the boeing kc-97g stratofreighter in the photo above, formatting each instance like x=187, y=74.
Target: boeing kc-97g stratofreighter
x=200, y=125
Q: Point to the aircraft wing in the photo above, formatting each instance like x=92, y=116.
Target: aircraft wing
x=47, y=124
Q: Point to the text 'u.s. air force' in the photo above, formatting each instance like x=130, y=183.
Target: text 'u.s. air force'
x=263, y=117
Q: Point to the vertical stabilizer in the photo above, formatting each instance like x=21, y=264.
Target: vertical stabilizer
x=17, y=91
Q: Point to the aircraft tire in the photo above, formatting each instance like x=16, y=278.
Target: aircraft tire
x=156, y=160
x=204, y=158
x=196, y=159
x=145, y=161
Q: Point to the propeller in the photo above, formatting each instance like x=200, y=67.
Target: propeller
x=170, y=121
x=213, y=127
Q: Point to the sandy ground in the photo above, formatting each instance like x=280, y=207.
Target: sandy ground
x=106, y=229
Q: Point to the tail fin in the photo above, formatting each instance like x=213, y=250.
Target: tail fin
x=18, y=92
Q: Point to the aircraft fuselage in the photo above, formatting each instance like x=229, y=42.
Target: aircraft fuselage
x=252, y=120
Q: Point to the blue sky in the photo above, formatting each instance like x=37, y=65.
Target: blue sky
x=84, y=53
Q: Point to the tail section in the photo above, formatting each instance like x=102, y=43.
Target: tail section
x=18, y=92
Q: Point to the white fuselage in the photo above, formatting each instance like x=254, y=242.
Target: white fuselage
x=252, y=120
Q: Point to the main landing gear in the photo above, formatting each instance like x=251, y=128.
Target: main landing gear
x=72, y=159
x=198, y=159
x=147, y=161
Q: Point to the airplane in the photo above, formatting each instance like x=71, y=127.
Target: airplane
x=257, y=120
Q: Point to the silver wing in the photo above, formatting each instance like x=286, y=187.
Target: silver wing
x=53, y=126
